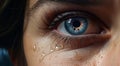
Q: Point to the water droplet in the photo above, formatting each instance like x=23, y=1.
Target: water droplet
x=103, y=32
x=34, y=47
x=43, y=54
x=51, y=50
x=101, y=56
x=41, y=59
x=58, y=46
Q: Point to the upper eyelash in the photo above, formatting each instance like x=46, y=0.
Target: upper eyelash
x=59, y=17
x=64, y=15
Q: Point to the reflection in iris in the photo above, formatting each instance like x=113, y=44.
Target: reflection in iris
x=76, y=26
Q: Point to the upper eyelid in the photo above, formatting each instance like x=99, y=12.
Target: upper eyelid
x=78, y=2
x=40, y=4
x=55, y=9
x=81, y=13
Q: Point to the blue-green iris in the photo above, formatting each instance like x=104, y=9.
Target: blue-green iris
x=76, y=25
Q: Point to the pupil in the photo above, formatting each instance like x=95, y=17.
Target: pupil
x=76, y=23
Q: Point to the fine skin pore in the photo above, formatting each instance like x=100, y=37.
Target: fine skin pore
x=38, y=41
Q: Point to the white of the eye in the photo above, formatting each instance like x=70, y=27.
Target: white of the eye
x=62, y=29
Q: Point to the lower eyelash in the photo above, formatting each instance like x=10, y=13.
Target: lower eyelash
x=88, y=40
x=69, y=42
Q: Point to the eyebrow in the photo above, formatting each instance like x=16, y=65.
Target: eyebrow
x=78, y=2
x=81, y=2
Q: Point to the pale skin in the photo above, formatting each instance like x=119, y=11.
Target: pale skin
x=39, y=44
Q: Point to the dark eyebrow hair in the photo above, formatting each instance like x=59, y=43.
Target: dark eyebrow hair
x=81, y=2
x=78, y=2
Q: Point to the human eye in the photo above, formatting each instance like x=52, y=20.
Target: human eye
x=77, y=27
x=76, y=23
x=71, y=26
x=61, y=27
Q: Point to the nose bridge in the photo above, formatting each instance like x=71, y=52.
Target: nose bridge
x=112, y=53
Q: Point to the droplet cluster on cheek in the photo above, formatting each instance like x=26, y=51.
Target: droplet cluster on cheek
x=44, y=51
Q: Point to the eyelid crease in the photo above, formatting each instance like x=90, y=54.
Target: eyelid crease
x=75, y=2
x=80, y=2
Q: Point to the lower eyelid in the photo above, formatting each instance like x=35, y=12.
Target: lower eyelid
x=89, y=40
x=80, y=42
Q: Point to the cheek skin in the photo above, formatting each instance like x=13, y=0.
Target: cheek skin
x=36, y=46
x=106, y=56
x=112, y=51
